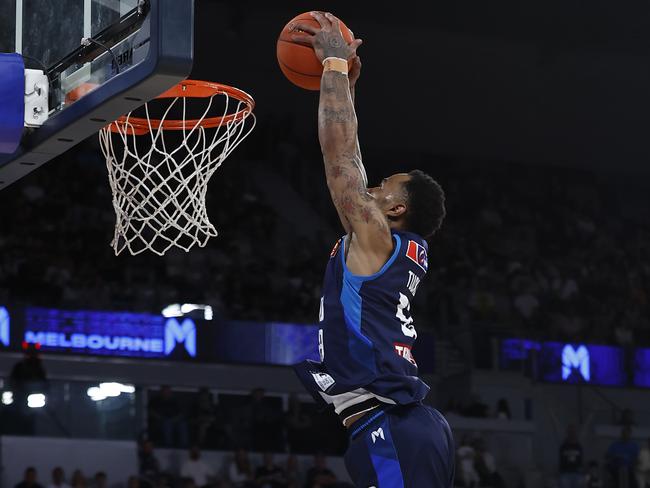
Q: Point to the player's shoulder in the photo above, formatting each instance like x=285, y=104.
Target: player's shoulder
x=414, y=248
x=410, y=249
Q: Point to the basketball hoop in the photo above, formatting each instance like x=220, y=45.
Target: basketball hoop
x=159, y=186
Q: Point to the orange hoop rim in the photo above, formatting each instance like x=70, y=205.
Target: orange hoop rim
x=187, y=89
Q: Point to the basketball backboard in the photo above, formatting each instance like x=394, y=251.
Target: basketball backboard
x=103, y=58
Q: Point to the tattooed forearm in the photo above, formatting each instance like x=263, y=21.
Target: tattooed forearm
x=337, y=132
x=337, y=122
x=342, y=116
x=357, y=150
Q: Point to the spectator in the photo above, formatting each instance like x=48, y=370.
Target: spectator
x=78, y=479
x=101, y=480
x=643, y=466
x=133, y=482
x=58, y=478
x=264, y=421
x=196, y=469
x=319, y=475
x=485, y=466
x=298, y=425
x=526, y=303
x=570, y=466
x=482, y=302
x=30, y=369
x=294, y=476
x=503, y=410
x=621, y=459
x=593, y=478
x=205, y=415
x=149, y=465
x=167, y=418
x=27, y=377
x=270, y=475
x=467, y=476
x=30, y=479
x=240, y=472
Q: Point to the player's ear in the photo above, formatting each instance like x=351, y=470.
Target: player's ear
x=396, y=211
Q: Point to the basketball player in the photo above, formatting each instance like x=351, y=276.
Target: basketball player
x=367, y=371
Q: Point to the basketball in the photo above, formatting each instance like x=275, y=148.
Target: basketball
x=299, y=62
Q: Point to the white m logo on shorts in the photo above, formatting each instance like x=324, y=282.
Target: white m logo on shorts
x=575, y=359
x=378, y=433
x=180, y=333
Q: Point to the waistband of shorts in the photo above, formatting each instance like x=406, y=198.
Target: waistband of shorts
x=365, y=406
x=364, y=422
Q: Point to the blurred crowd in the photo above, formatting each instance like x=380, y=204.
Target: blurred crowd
x=54, y=250
x=544, y=253
x=236, y=471
x=257, y=421
x=625, y=464
x=538, y=252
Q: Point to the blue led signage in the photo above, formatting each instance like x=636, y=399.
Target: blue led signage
x=109, y=333
x=557, y=362
x=642, y=368
x=4, y=327
x=576, y=360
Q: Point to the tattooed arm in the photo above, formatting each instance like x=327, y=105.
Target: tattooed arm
x=353, y=76
x=337, y=132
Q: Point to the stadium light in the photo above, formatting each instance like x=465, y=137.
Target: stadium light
x=7, y=397
x=95, y=393
x=173, y=310
x=108, y=389
x=36, y=400
x=180, y=310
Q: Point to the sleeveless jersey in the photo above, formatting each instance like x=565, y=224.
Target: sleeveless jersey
x=366, y=330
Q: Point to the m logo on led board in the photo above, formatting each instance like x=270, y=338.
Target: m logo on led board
x=184, y=333
x=575, y=360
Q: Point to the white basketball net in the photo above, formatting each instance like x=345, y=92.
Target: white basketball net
x=159, y=192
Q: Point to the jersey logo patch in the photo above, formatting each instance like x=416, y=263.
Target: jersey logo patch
x=418, y=254
x=323, y=380
x=335, y=249
x=404, y=350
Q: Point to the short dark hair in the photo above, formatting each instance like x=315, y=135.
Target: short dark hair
x=426, y=204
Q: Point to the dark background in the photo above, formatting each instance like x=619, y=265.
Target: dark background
x=538, y=82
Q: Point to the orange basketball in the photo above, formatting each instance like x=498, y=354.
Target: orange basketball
x=299, y=62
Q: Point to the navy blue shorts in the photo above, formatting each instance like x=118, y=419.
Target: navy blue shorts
x=409, y=446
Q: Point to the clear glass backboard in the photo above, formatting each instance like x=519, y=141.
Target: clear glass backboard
x=102, y=59
x=51, y=33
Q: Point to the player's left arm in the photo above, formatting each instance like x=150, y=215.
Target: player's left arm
x=337, y=131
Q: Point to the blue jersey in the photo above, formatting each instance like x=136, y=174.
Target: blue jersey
x=366, y=330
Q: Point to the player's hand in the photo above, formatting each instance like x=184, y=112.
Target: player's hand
x=355, y=71
x=327, y=40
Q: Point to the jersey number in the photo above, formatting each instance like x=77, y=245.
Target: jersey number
x=404, y=305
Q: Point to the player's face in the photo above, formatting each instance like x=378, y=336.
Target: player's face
x=390, y=191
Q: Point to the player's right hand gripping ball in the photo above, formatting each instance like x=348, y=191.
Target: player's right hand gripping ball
x=297, y=61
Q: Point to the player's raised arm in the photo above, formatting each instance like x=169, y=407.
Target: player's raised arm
x=337, y=131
